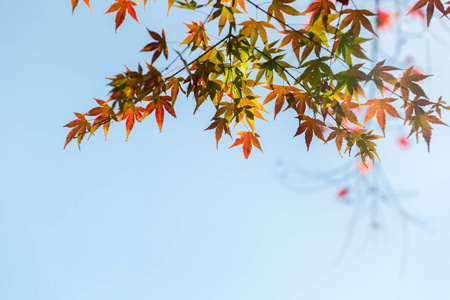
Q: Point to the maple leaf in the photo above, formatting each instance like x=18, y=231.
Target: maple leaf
x=159, y=46
x=297, y=38
x=221, y=126
x=271, y=64
x=298, y=101
x=437, y=106
x=225, y=14
x=430, y=8
x=80, y=127
x=315, y=70
x=408, y=83
x=131, y=114
x=380, y=107
x=247, y=110
x=104, y=114
x=122, y=7
x=197, y=35
x=339, y=134
x=347, y=44
x=380, y=73
x=416, y=107
x=421, y=124
x=159, y=105
x=255, y=29
x=280, y=93
x=173, y=84
x=75, y=3
x=247, y=139
x=277, y=8
x=315, y=43
x=363, y=139
x=344, y=113
x=319, y=8
x=350, y=80
x=309, y=126
x=357, y=18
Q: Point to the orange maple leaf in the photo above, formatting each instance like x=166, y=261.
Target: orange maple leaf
x=381, y=73
x=221, y=126
x=319, y=8
x=80, y=127
x=247, y=139
x=357, y=18
x=297, y=38
x=339, y=134
x=421, y=124
x=163, y=103
x=309, y=126
x=132, y=114
x=255, y=29
x=197, y=35
x=280, y=93
x=415, y=106
x=122, y=6
x=380, y=107
x=104, y=114
x=408, y=83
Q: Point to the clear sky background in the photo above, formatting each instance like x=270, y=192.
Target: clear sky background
x=165, y=215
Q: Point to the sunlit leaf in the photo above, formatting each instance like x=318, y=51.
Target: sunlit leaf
x=247, y=139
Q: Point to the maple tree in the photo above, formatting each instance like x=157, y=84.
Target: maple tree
x=324, y=85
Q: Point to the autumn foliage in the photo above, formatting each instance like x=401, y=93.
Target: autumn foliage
x=324, y=82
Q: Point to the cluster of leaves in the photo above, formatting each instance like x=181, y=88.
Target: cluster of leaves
x=323, y=85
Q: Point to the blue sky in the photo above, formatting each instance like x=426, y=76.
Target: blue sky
x=165, y=215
